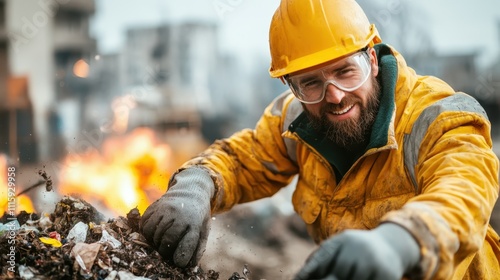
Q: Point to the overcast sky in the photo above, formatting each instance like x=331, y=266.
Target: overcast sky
x=454, y=25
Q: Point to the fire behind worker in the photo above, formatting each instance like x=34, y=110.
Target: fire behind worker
x=396, y=175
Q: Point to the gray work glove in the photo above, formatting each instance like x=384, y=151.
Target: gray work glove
x=177, y=224
x=387, y=252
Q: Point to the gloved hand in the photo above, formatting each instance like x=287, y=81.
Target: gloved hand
x=387, y=252
x=177, y=224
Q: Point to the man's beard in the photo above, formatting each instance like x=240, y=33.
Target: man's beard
x=350, y=133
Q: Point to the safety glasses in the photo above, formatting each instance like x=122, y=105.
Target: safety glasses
x=347, y=74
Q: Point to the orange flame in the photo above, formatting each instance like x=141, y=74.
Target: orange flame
x=11, y=203
x=24, y=203
x=129, y=172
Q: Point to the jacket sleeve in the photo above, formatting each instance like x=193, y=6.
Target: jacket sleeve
x=251, y=164
x=456, y=174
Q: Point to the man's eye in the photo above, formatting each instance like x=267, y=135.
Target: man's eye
x=311, y=83
x=347, y=71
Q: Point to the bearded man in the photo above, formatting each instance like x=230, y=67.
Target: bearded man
x=396, y=173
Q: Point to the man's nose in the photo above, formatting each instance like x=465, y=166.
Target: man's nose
x=333, y=94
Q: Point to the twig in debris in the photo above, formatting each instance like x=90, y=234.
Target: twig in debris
x=37, y=184
x=46, y=180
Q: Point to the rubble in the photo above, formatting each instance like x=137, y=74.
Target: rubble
x=77, y=242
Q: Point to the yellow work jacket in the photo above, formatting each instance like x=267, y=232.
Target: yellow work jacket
x=429, y=167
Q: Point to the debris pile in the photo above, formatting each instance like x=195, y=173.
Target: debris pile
x=77, y=242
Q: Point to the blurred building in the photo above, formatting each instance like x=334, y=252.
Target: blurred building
x=180, y=78
x=4, y=63
x=16, y=110
x=73, y=54
x=44, y=41
x=170, y=77
x=171, y=70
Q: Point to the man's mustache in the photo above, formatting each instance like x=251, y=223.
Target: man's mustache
x=336, y=107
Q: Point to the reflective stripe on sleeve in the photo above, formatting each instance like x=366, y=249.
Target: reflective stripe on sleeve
x=412, y=141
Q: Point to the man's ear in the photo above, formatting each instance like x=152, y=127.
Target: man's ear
x=373, y=60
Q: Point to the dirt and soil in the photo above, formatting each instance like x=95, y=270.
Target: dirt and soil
x=45, y=251
x=243, y=245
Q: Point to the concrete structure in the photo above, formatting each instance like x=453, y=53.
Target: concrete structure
x=182, y=72
x=16, y=111
x=180, y=58
x=46, y=38
x=171, y=71
x=4, y=63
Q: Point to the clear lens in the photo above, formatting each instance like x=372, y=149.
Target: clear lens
x=347, y=74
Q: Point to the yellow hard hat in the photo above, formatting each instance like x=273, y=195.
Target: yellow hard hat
x=307, y=33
